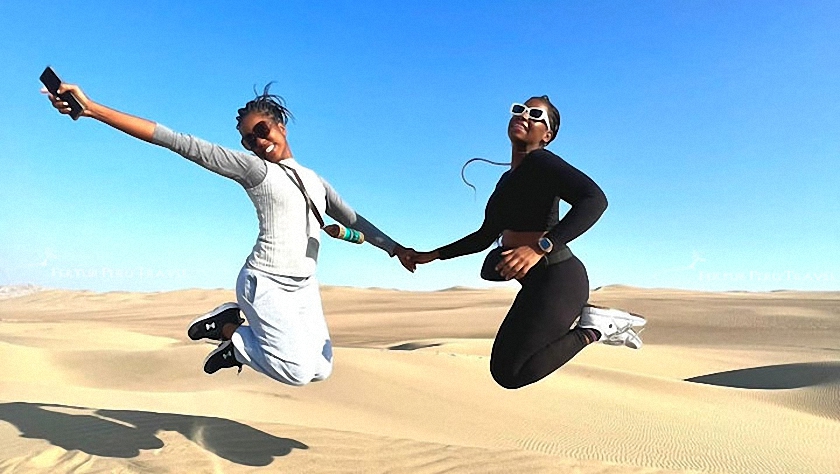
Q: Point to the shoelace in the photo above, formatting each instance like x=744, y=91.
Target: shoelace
x=618, y=338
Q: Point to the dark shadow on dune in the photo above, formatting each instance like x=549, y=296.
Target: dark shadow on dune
x=775, y=377
x=412, y=346
x=123, y=433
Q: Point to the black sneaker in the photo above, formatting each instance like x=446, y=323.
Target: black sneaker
x=210, y=325
x=222, y=357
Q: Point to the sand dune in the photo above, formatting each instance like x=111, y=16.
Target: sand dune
x=727, y=382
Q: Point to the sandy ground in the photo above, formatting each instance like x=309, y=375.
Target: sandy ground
x=726, y=382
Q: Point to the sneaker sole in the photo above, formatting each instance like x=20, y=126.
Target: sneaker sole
x=631, y=340
x=220, y=309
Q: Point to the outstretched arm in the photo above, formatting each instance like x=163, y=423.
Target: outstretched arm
x=135, y=126
x=343, y=213
x=472, y=243
x=245, y=168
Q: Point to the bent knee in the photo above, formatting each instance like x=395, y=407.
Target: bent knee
x=510, y=383
x=505, y=376
x=300, y=376
x=321, y=377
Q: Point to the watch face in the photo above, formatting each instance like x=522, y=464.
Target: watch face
x=545, y=244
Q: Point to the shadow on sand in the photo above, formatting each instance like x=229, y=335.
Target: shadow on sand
x=123, y=433
x=775, y=377
x=413, y=346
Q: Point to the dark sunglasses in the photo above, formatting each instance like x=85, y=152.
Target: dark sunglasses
x=261, y=130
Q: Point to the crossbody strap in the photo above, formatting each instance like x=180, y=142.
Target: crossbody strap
x=309, y=204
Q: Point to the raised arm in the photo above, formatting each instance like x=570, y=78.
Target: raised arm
x=245, y=168
x=135, y=126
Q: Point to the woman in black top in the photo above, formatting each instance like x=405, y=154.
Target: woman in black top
x=535, y=338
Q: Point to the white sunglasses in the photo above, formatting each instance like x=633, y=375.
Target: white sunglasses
x=531, y=113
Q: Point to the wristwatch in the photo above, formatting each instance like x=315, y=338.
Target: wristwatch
x=545, y=244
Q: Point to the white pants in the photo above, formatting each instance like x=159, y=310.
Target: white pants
x=286, y=337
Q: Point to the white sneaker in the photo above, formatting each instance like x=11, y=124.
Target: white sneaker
x=619, y=315
x=615, y=326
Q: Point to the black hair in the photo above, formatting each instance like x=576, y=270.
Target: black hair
x=553, y=115
x=269, y=104
x=554, y=118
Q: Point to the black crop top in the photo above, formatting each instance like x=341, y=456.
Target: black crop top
x=526, y=199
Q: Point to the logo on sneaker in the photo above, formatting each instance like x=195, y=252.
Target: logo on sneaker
x=210, y=326
x=225, y=355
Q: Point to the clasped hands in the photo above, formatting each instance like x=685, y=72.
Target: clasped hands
x=515, y=262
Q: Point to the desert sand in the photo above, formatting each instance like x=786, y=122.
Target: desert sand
x=726, y=382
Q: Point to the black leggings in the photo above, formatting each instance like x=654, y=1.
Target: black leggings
x=534, y=340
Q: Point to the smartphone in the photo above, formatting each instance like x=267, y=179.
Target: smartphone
x=50, y=79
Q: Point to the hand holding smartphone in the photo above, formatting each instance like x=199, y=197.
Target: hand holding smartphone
x=51, y=81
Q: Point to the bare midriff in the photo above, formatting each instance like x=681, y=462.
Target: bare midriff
x=512, y=238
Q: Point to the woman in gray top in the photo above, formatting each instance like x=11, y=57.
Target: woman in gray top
x=286, y=337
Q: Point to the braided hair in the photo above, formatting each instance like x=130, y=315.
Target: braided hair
x=268, y=104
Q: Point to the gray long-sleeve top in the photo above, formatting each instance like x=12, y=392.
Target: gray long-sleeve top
x=289, y=235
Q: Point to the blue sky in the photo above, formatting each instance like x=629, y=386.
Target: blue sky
x=711, y=126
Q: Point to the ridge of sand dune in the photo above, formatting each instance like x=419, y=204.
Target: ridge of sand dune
x=16, y=291
x=742, y=383
x=810, y=387
x=65, y=336
x=670, y=292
